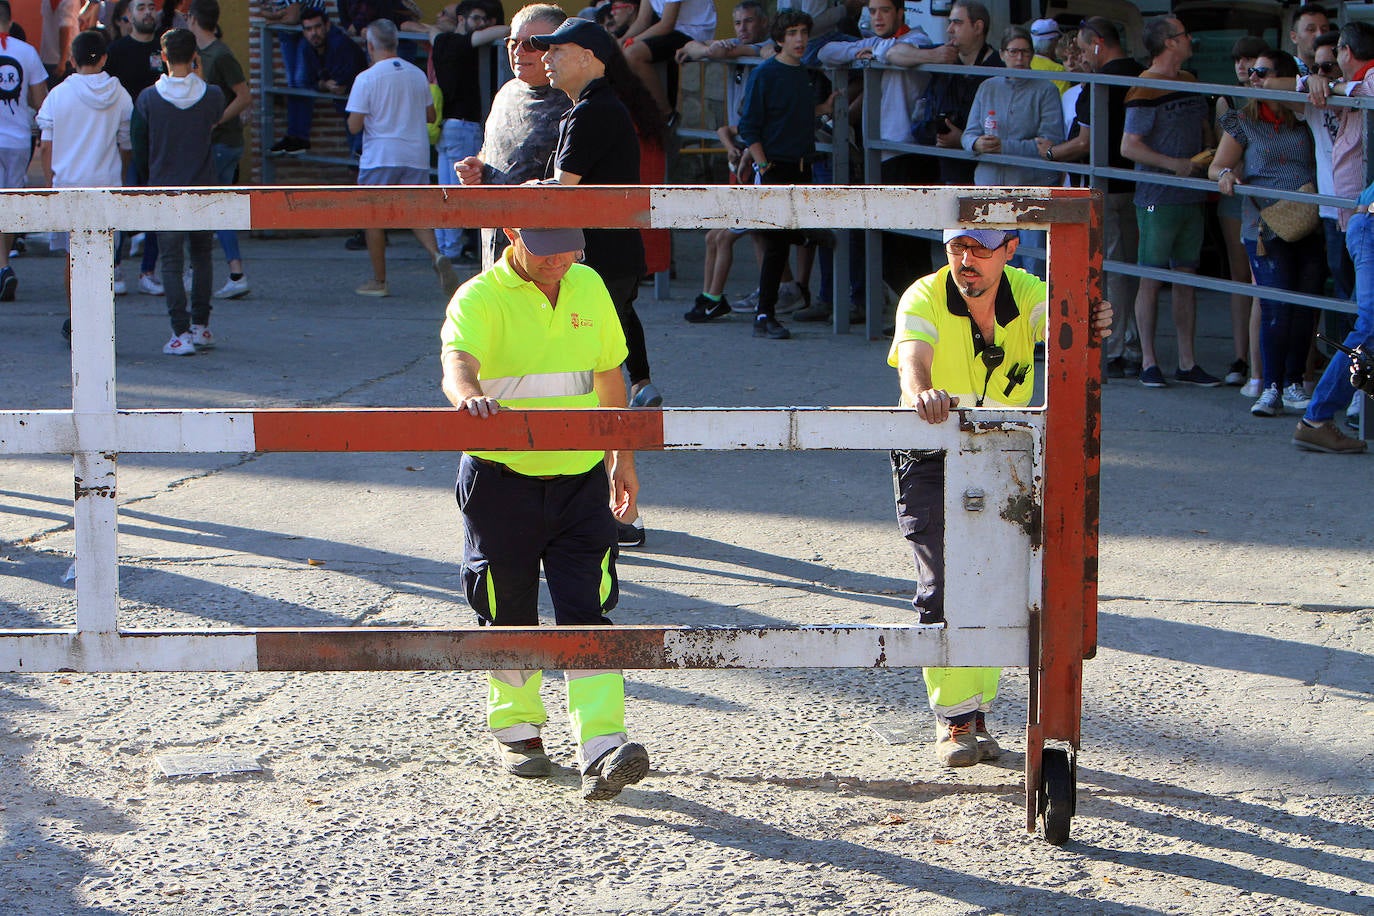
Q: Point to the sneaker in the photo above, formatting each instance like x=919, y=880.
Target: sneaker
x=1239, y=372
x=524, y=758
x=820, y=310
x=290, y=146
x=790, y=298
x=149, y=285
x=766, y=326
x=374, y=288
x=750, y=303
x=201, y=337
x=1326, y=438
x=1252, y=388
x=356, y=242
x=704, y=309
x=448, y=277
x=615, y=770
x=630, y=534
x=1270, y=403
x=120, y=287
x=8, y=284
x=233, y=289
x=1197, y=376
x=647, y=396
x=1296, y=397
x=956, y=745
x=1153, y=378
x=988, y=748
x=180, y=345
x=17, y=248
x=1115, y=368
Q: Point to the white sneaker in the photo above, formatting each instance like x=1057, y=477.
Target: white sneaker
x=750, y=303
x=233, y=289
x=1251, y=389
x=790, y=297
x=1296, y=397
x=201, y=337
x=1269, y=403
x=149, y=285
x=180, y=345
x=120, y=287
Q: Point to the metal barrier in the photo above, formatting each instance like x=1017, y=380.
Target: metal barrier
x=1024, y=584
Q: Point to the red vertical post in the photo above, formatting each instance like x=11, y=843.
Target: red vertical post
x=1067, y=625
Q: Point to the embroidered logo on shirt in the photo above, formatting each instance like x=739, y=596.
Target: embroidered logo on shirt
x=579, y=322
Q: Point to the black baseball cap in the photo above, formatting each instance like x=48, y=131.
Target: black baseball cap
x=583, y=33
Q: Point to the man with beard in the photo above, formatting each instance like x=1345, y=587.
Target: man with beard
x=965, y=333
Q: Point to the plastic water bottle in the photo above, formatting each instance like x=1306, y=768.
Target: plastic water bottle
x=990, y=124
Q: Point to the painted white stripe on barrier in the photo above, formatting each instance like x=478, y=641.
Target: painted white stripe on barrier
x=39, y=651
x=37, y=432
x=856, y=428
x=115, y=208
x=822, y=207
x=185, y=431
x=848, y=647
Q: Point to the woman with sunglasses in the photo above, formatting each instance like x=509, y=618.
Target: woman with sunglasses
x=1271, y=146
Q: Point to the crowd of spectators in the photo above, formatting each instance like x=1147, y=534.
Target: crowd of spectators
x=1244, y=145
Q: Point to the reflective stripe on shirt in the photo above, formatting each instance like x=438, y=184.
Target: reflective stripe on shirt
x=540, y=385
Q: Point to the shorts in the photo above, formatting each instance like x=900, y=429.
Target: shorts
x=393, y=174
x=1170, y=235
x=663, y=47
x=14, y=167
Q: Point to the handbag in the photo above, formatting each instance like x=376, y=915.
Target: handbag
x=1292, y=220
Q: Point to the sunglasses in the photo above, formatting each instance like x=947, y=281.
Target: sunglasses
x=957, y=250
x=1328, y=67
x=1261, y=72
x=520, y=45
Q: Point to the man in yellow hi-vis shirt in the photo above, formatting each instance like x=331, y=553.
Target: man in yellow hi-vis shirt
x=966, y=333
x=539, y=330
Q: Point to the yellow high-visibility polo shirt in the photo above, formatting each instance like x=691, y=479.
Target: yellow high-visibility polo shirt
x=533, y=355
x=932, y=310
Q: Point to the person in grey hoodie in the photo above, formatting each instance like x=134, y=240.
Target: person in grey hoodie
x=84, y=124
x=172, y=122
x=1009, y=113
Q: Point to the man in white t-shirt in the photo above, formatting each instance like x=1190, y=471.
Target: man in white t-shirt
x=23, y=87
x=390, y=105
x=59, y=28
x=662, y=27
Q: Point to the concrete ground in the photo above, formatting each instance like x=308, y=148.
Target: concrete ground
x=1226, y=754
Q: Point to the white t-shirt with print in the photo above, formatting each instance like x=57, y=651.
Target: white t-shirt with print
x=20, y=68
x=392, y=95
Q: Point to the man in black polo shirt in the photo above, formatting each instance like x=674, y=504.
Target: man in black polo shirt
x=597, y=144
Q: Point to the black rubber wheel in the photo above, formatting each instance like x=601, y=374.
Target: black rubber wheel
x=1056, y=795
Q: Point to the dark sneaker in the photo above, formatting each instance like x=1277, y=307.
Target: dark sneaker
x=766, y=326
x=955, y=745
x=1153, y=378
x=615, y=770
x=704, y=309
x=1197, y=376
x=648, y=395
x=1115, y=368
x=356, y=242
x=8, y=284
x=1326, y=438
x=289, y=146
x=988, y=748
x=630, y=534
x=1238, y=373
x=524, y=758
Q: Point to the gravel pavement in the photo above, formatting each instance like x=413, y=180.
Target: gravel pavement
x=1227, y=754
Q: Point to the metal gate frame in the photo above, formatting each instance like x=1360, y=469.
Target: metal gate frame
x=1064, y=443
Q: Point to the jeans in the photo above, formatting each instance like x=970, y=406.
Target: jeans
x=777, y=243
x=149, y=238
x=1285, y=329
x=226, y=173
x=457, y=140
x=1334, y=390
x=173, y=246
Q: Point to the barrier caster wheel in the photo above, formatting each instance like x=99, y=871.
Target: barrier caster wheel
x=1057, y=793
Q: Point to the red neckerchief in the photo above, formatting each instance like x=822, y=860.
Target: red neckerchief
x=4, y=40
x=902, y=31
x=1268, y=115
x=1364, y=71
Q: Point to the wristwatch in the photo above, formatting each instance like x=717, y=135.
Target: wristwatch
x=1049, y=153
